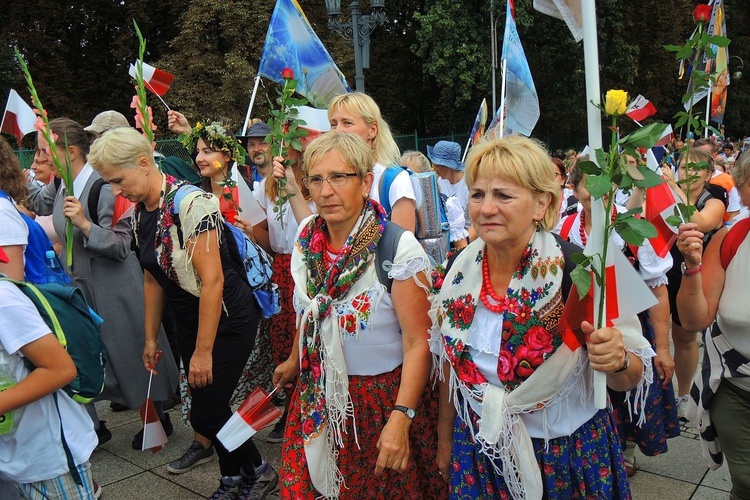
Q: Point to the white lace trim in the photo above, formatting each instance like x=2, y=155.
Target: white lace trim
x=408, y=268
x=485, y=334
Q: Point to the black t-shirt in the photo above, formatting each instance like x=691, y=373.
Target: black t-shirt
x=239, y=308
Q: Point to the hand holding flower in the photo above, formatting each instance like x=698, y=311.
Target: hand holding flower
x=74, y=211
x=606, y=350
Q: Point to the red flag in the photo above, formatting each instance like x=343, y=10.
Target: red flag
x=156, y=80
x=640, y=109
x=254, y=414
x=154, y=437
x=19, y=118
x=578, y=310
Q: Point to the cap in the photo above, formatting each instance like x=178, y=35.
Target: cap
x=260, y=129
x=107, y=120
x=446, y=153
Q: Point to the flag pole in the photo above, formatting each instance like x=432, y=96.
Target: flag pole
x=502, y=97
x=708, y=108
x=250, y=107
x=493, y=48
x=466, y=150
x=593, y=100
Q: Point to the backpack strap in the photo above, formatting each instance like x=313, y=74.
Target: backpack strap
x=384, y=186
x=386, y=251
x=93, y=201
x=732, y=241
x=567, y=224
x=68, y=455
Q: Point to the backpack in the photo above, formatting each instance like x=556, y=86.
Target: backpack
x=385, y=252
x=432, y=228
x=35, y=269
x=76, y=326
x=249, y=258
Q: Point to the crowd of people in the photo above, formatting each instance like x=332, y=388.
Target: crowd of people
x=402, y=375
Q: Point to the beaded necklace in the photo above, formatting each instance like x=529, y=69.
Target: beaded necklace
x=327, y=259
x=488, y=292
x=582, y=226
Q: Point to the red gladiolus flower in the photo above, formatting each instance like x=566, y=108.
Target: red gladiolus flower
x=702, y=13
x=288, y=74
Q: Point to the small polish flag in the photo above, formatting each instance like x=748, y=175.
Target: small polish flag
x=640, y=109
x=19, y=118
x=154, y=437
x=666, y=137
x=254, y=414
x=316, y=122
x=156, y=80
x=660, y=204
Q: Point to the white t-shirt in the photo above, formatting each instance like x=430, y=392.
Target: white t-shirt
x=734, y=204
x=33, y=451
x=282, y=241
x=13, y=230
x=460, y=191
x=401, y=186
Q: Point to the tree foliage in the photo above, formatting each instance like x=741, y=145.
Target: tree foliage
x=430, y=62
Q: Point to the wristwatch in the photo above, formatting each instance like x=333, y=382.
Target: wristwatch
x=690, y=272
x=625, y=364
x=409, y=411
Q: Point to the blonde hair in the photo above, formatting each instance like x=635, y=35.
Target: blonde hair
x=741, y=169
x=521, y=160
x=121, y=148
x=353, y=149
x=415, y=161
x=384, y=147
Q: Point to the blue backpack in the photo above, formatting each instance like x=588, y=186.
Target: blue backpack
x=35, y=268
x=255, y=262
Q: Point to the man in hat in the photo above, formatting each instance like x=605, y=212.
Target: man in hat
x=258, y=163
x=446, y=159
x=107, y=120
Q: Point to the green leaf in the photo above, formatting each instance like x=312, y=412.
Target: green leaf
x=628, y=234
x=650, y=178
x=581, y=278
x=589, y=167
x=635, y=173
x=673, y=48
x=644, y=137
x=598, y=185
x=642, y=227
x=682, y=120
x=601, y=157
x=581, y=259
x=674, y=220
x=720, y=41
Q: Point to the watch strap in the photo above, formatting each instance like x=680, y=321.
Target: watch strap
x=410, y=412
x=690, y=272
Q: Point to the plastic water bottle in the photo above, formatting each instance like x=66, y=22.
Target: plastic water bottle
x=55, y=272
x=6, y=381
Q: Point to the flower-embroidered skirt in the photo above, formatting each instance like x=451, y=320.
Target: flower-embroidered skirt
x=373, y=397
x=661, y=410
x=282, y=324
x=586, y=464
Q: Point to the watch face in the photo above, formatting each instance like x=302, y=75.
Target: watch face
x=410, y=413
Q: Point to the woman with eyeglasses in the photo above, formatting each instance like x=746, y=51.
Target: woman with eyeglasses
x=362, y=421
x=277, y=235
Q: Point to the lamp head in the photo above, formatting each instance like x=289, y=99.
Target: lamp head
x=377, y=4
x=333, y=7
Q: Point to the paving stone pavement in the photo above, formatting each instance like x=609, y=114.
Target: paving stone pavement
x=126, y=474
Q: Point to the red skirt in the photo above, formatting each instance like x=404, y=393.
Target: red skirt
x=282, y=324
x=373, y=397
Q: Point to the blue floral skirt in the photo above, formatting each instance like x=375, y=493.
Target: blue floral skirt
x=587, y=464
x=661, y=410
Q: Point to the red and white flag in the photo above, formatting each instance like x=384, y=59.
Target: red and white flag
x=626, y=294
x=255, y=413
x=640, y=109
x=660, y=204
x=666, y=137
x=156, y=80
x=316, y=122
x=19, y=118
x=154, y=437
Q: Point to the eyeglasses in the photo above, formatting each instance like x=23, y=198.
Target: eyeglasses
x=558, y=174
x=315, y=182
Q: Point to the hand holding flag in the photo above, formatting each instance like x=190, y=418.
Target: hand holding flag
x=154, y=437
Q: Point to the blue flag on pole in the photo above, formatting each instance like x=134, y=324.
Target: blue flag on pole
x=521, y=101
x=292, y=43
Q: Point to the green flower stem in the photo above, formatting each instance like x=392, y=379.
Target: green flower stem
x=609, y=206
x=65, y=170
x=140, y=85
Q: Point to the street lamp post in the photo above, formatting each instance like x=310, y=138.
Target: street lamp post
x=738, y=74
x=357, y=30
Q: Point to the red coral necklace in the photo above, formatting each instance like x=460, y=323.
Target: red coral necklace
x=582, y=226
x=327, y=251
x=488, y=292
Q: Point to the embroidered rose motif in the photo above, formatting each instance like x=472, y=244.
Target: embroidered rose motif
x=528, y=360
x=539, y=339
x=506, y=366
